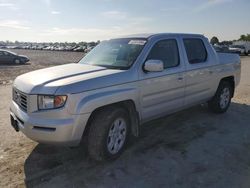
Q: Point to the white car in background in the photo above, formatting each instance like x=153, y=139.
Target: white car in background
x=240, y=49
x=245, y=44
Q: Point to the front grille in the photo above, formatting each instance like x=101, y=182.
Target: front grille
x=20, y=99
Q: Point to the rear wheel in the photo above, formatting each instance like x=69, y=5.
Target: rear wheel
x=222, y=99
x=108, y=134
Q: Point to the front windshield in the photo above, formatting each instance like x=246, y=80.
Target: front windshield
x=115, y=53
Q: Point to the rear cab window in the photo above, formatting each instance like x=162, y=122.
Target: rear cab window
x=195, y=50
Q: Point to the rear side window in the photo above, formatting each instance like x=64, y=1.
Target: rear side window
x=166, y=51
x=196, y=51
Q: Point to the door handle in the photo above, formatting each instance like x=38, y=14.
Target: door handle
x=180, y=78
x=211, y=72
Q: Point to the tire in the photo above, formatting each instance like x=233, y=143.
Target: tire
x=17, y=61
x=108, y=127
x=222, y=99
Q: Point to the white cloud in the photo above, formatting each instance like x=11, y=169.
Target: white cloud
x=211, y=3
x=139, y=20
x=128, y=24
x=127, y=19
x=55, y=12
x=77, y=31
x=13, y=24
x=89, y=34
x=171, y=9
x=47, y=2
x=114, y=14
x=6, y=4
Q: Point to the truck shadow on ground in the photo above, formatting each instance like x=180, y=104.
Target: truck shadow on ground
x=158, y=139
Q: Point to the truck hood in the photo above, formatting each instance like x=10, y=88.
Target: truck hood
x=69, y=78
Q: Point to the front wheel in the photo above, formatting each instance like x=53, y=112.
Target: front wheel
x=222, y=99
x=108, y=134
x=17, y=61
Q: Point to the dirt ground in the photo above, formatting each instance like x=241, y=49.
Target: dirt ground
x=192, y=148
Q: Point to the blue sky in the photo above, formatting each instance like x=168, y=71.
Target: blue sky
x=88, y=20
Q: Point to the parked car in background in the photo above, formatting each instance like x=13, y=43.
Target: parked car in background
x=89, y=49
x=47, y=48
x=222, y=49
x=245, y=44
x=11, y=57
x=241, y=50
x=69, y=48
x=225, y=49
x=2, y=46
x=80, y=49
x=119, y=85
x=77, y=47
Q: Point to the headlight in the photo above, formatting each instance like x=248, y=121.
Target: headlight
x=51, y=101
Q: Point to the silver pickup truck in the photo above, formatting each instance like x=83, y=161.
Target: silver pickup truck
x=118, y=86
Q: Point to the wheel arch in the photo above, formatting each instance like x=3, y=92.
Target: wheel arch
x=128, y=105
x=231, y=80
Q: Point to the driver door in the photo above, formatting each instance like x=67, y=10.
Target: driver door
x=2, y=58
x=162, y=93
x=8, y=57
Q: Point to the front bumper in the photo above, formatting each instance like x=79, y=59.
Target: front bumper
x=59, y=130
x=24, y=60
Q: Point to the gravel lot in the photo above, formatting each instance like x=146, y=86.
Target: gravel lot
x=192, y=148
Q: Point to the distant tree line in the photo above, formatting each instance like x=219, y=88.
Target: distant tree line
x=245, y=37
x=214, y=40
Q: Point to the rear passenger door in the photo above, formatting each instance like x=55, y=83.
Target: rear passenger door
x=199, y=78
x=162, y=92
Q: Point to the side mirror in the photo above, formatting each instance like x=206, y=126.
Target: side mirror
x=153, y=65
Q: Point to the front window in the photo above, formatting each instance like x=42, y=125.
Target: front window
x=167, y=51
x=115, y=53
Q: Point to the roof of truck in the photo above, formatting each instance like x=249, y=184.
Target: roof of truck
x=149, y=35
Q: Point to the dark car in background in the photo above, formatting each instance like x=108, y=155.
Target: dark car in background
x=226, y=49
x=222, y=49
x=11, y=57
